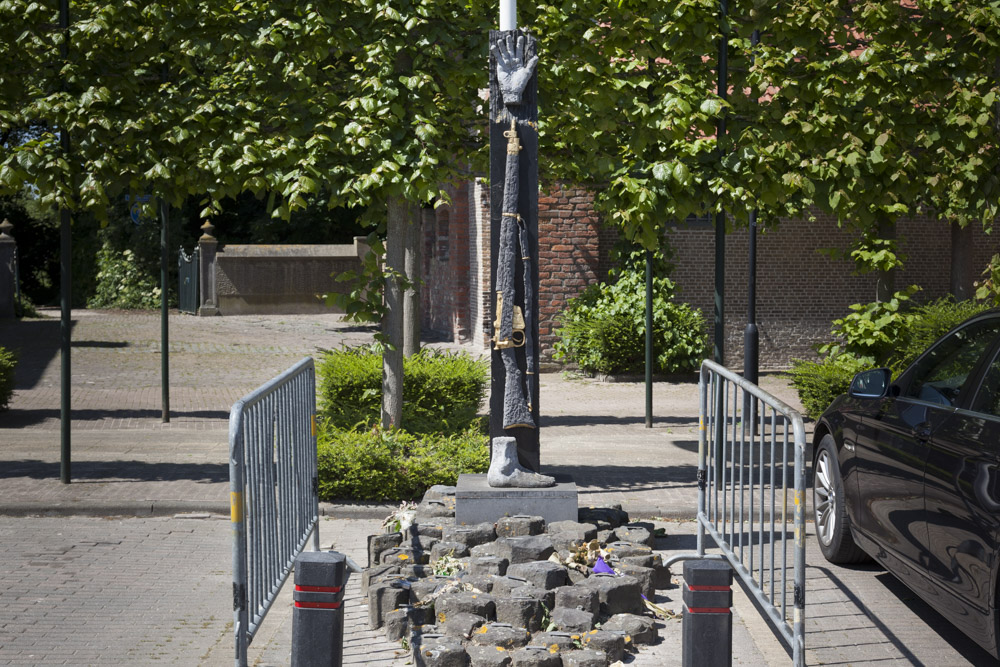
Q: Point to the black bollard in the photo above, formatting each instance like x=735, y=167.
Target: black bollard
x=318, y=616
x=707, y=624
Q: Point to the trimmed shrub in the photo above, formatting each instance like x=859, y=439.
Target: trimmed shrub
x=8, y=362
x=122, y=282
x=604, y=328
x=442, y=391
x=928, y=323
x=818, y=383
x=394, y=465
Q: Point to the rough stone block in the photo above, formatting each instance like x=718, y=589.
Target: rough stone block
x=439, y=492
x=520, y=525
x=637, y=629
x=439, y=651
x=501, y=634
x=603, y=517
x=546, y=597
x=489, y=565
x=400, y=622
x=379, y=543
x=618, y=595
x=575, y=576
x=520, y=612
x=606, y=535
x=504, y=585
x=579, y=597
x=535, y=656
x=377, y=573
x=488, y=656
x=646, y=560
x=612, y=644
x=524, y=549
x=404, y=556
x=565, y=542
x=453, y=549
x=383, y=597
x=645, y=575
x=461, y=625
x=420, y=542
x=561, y=641
x=544, y=574
x=432, y=509
x=425, y=529
x=416, y=571
x=635, y=533
x=583, y=531
x=470, y=536
x=481, y=582
x=585, y=658
x=422, y=589
x=572, y=620
x=619, y=550
x=479, y=604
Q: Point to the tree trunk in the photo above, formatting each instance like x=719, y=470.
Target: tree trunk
x=411, y=299
x=392, y=323
x=962, y=271
x=886, y=285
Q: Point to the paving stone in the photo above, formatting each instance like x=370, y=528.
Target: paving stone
x=612, y=644
x=603, y=517
x=405, y=556
x=572, y=620
x=544, y=574
x=461, y=625
x=488, y=656
x=519, y=525
x=635, y=533
x=501, y=634
x=562, y=641
x=520, y=612
x=480, y=604
x=531, y=656
x=470, y=536
x=452, y=549
x=638, y=629
x=585, y=658
x=579, y=597
x=440, y=651
x=524, y=549
x=377, y=573
x=379, y=543
x=583, y=531
x=618, y=595
x=492, y=565
x=383, y=597
x=645, y=575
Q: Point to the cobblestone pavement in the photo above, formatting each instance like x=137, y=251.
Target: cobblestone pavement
x=96, y=590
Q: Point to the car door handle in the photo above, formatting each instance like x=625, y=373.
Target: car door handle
x=922, y=432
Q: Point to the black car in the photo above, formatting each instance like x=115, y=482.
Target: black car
x=907, y=471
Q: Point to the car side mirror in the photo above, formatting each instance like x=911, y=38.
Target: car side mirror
x=870, y=384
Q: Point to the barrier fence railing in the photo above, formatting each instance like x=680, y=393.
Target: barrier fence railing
x=751, y=464
x=273, y=492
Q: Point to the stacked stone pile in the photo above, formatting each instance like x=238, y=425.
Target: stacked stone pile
x=518, y=592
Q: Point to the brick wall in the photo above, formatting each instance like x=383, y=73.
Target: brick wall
x=799, y=290
x=445, y=294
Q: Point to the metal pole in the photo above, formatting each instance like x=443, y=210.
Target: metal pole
x=164, y=326
x=720, y=217
x=751, y=337
x=65, y=283
x=649, y=339
x=508, y=14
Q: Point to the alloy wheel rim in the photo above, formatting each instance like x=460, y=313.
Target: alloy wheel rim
x=824, y=498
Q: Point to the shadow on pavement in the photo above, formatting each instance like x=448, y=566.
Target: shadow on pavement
x=20, y=418
x=613, y=420
x=36, y=343
x=627, y=478
x=948, y=632
x=100, y=343
x=119, y=471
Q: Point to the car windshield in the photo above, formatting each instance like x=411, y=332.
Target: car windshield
x=939, y=376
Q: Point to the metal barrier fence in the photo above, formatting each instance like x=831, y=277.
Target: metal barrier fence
x=745, y=479
x=273, y=492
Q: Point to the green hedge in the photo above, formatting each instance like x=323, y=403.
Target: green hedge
x=442, y=391
x=818, y=383
x=8, y=361
x=394, y=465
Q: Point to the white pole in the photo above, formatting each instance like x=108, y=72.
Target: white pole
x=508, y=14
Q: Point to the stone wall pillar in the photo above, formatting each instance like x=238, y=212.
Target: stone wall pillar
x=7, y=286
x=207, y=248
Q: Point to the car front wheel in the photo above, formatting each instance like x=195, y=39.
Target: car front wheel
x=829, y=509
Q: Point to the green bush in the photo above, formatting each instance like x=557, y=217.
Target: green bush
x=603, y=329
x=442, y=391
x=927, y=323
x=122, y=282
x=8, y=361
x=394, y=465
x=818, y=383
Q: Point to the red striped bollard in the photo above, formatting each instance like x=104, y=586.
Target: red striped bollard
x=318, y=615
x=707, y=623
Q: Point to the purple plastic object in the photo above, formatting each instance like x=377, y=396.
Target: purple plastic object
x=600, y=566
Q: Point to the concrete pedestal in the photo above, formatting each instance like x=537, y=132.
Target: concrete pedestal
x=477, y=502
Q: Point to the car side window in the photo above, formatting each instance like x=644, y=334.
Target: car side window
x=988, y=397
x=941, y=374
